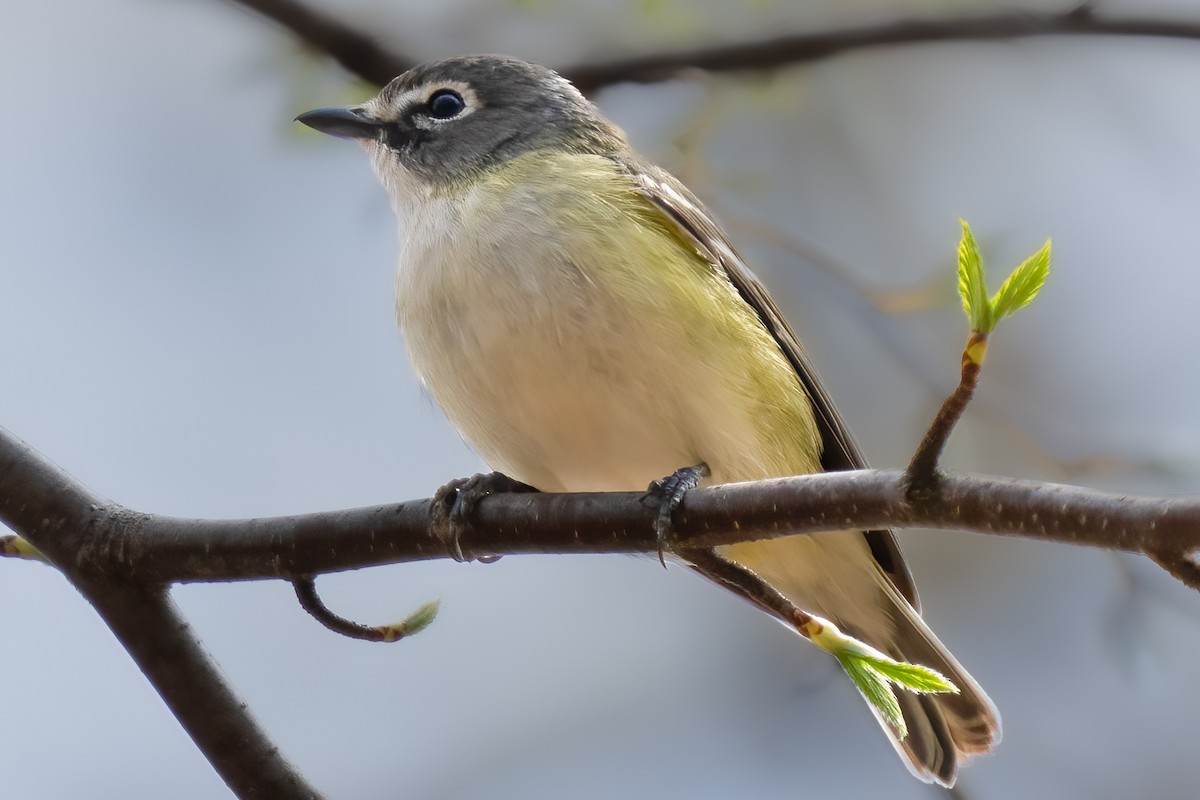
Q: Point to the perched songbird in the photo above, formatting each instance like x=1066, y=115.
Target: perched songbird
x=587, y=326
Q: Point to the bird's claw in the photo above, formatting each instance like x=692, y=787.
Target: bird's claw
x=669, y=492
x=454, y=504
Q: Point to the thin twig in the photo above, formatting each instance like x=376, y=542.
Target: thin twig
x=310, y=601
x=922, y=472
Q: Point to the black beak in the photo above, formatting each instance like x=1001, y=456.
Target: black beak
x=345, y=123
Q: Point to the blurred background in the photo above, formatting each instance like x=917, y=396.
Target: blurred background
x=197, y=320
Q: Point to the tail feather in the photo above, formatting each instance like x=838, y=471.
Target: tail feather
x=944, y=730
x=835, y=576
x=928, y=750
x=971, y=721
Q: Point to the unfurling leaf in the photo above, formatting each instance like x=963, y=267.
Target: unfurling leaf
x=877, y=690
x=971, y=284
x=1023, y=284
x=875, y=673
x=415, y=622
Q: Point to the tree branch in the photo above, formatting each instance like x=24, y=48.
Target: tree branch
x=77, y=532
x=1166, y=528
x=160, y=641
x=161, y=549
x=310, y=600
x=360, y=54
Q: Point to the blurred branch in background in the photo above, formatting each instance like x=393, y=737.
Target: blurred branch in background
x=360, y=54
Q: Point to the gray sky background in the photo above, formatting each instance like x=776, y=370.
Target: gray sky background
x=197, y=320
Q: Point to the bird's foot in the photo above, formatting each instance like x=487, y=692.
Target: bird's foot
x=669, y=493
x=454, y=504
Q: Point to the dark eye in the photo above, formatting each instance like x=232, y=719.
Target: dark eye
x=446, y=104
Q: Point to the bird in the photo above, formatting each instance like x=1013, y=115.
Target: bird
x=587, y=326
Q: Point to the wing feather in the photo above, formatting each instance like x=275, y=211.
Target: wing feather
x=839, y=450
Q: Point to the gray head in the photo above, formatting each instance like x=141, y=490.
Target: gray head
x=444, y=122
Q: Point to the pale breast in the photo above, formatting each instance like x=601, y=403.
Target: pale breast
x=560, y=345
